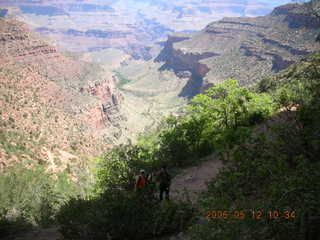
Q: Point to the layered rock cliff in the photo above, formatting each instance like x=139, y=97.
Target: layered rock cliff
x=52, y=101
x=246, y=49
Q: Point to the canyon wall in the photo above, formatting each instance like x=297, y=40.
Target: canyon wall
x=128, y=25
x=246, y=49
x=82, y=90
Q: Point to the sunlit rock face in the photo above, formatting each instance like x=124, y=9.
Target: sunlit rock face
x=48, y=79
x=130, y=25
x=246, y=49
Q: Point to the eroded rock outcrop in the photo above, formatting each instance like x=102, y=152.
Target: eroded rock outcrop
x=246, y=49
x=181, y=62
x=107, y=112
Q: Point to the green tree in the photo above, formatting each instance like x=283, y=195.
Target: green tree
x=117, y=169
x=228, y=111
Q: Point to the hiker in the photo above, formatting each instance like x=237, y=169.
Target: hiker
x=164, y=179
x=152, y=183
x=151, y=177
x=140, y=181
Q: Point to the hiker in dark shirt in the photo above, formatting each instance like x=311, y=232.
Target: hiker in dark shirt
x=164, y=180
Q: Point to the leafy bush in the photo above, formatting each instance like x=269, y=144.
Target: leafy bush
x=31, y=197
x=118, y=214
x=181, y=141
x=117, y=169
x=13, y=226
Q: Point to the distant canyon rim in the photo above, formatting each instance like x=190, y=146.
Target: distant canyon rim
x=132, y=26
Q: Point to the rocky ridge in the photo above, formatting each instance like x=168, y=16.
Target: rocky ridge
x=246, y=49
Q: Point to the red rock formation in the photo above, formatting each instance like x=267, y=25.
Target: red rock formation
x=49, y=99
x=102, y=90
x=94, y=117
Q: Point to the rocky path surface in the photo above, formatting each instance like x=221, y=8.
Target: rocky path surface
x=192, y=180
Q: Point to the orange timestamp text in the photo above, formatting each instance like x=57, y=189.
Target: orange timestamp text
x=255, y=214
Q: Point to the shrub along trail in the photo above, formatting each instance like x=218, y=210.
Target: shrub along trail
x=40, y=234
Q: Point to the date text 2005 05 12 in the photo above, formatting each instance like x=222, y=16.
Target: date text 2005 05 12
x=255, y=214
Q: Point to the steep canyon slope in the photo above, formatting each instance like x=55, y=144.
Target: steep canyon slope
x=52, y=106
x=246, y=49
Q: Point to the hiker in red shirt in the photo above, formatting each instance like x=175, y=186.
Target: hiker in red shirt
x=140, y=181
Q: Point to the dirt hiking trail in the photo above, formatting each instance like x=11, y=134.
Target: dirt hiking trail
x=193, y=180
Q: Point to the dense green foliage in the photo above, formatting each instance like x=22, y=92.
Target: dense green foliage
x=228, y=112
x=122, y=215
x=274, y=169
x=31, y=197
x=118, y=168
x=215, y=122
